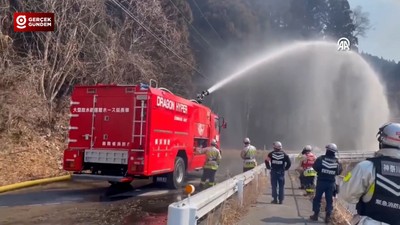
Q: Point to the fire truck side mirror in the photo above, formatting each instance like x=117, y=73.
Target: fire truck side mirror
x=224, y=123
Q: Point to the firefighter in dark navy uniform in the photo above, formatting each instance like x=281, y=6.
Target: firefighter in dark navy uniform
x=327, y=167
x=374, y=184
x=278, y=162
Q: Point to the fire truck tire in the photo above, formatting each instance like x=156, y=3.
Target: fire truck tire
x=176, y=178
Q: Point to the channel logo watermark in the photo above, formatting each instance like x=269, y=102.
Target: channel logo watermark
x=31, y=22
x=343, y=44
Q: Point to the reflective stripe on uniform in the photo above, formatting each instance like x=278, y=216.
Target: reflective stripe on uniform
x=310, y=172
x=250, y=165
x=347, y=177
x=310, y=190
x=212, y=159
x=250, y=161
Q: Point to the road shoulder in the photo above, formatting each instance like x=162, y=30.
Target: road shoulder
x=295, y=209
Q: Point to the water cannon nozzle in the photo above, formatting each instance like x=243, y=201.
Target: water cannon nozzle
x=200, y=97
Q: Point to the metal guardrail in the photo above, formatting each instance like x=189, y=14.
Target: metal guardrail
x=343, y=156
x=352, y=154
x=191, y=209
x=356, y=155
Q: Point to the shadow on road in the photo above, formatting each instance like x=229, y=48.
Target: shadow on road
x=84, y=191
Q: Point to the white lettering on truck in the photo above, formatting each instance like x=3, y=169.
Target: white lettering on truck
x=165, y=103
x=171, y=105
x=181, y=108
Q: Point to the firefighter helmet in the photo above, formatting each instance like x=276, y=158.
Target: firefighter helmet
x=246, y=141
x=331, y=147
x=214, y=142
x=277, y=145
x=307, y=148
x=389, y=134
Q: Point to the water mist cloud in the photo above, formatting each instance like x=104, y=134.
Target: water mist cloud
x=308, y=93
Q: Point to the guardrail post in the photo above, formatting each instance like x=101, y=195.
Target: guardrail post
x=181, y=215
x=256, y=179
x=240, y=185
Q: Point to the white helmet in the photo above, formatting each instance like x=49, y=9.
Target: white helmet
x=307, y=148
x=331, y=147
x=213, y=142
x=277, y=145
x=389, y=134
x=246, y=140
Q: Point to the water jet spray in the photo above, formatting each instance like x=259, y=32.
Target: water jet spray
x=305, y=93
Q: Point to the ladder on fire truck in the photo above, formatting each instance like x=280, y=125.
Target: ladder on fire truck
x=139, y=116
x=139, y=120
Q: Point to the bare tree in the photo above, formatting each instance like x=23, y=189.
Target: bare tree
x=361, y=21
x=98, y=42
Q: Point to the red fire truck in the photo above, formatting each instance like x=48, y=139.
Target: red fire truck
x=121, y=133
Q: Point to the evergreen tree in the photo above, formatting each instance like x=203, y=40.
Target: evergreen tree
x=340, y=22
x=308, y=17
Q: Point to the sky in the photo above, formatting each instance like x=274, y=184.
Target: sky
x=383, y=39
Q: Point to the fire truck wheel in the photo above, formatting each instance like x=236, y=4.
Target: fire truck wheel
x=177, y=177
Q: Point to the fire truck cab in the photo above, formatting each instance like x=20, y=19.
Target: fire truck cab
x=119, y=133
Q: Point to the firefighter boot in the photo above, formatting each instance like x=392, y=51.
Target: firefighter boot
x=202, y=185
x=328, y=218
x=314, y=217
x=210, y=184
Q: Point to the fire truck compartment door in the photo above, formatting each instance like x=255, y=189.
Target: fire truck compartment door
x=114, y=123
x=82, y=120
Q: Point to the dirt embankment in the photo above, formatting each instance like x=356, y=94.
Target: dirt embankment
x=41, y=157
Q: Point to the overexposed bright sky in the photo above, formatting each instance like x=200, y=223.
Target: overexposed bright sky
x=383, y=39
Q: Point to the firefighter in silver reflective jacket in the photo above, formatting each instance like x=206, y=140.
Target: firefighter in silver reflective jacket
x=374, y=184
x=211, y=165
x=248, y=155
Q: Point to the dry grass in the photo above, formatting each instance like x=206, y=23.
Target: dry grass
x=230, y=212
x=41, y=158
x=340, y=215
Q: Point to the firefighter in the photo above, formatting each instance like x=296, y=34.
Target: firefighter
x=211, y=165
x=374, y=184
x=309, y=181
x=278, y=162
x=248, y=154
x=327, y=167
x=307, y=174
x=302, y=159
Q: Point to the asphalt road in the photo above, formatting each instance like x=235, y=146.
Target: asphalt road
x=84, y=203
